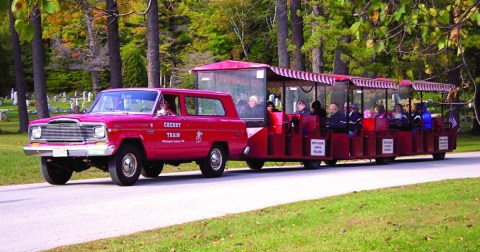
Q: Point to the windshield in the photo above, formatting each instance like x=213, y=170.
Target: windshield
x=247, y=88
x=129, y=101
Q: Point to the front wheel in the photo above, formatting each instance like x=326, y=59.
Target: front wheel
x=438, y=156
x=53, y=174
x=214, y=165
x=152, y=169
x=310, y=165
x=125, y=166
x=383, y=161
x=255, y=164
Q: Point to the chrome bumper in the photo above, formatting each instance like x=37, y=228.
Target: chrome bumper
x=89, y=150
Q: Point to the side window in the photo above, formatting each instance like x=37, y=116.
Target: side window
x=169, y=105
x=204, y=106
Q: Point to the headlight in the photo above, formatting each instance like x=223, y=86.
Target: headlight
x=36, y=132
x=99, y=132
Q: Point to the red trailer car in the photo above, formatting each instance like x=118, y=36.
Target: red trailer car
x=293, y=135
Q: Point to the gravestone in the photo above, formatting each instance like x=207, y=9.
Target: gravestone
x=15, y=98
x=27, y=102
x=90, y=96
x=1, y=102
x=3, y=116
x=11, y=94
x=55, y=98
x=84, y=94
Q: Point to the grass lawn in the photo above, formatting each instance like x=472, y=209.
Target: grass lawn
x=439, y=216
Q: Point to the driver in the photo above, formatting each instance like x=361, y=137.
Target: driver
x=165, y=109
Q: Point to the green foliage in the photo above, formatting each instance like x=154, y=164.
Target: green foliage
x=7, y=80
x=64, y=81
x=134, y=69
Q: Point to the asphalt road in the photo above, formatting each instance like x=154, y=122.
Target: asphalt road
x=42, y=216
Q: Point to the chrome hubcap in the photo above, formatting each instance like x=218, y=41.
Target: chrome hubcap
x=129, y=165
x=216, y=159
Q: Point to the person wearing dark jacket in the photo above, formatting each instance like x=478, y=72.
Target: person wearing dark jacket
x=316, y=109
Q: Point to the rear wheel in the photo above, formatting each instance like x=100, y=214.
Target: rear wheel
x=53, y=174
x=438, y=156
x=214, y=165
x=311, y=164
x=332, y=162
x=125, y=166
x=152, y=169
x=255, y=164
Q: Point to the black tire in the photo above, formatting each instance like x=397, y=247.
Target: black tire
x=214, y=165
x=312, y=164
x=332, y=162
x=255, y=164
x=125, y=166
x=152, y=169
x=53, y=174
x=383, y=161
x=438, y=156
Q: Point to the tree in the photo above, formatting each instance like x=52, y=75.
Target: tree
x=134, y=71
x=153, y=42
x=19, y=77
x=282, y=33
x=114, y=44
x=297, y=35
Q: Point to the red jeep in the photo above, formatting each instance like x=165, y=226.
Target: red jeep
x=136, y=131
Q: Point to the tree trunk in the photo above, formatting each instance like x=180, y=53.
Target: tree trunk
x=92, y=51
x=19, y=78
x=153, y=41
x=340, y=66
x=318, y=62
x=282, y=34
x=39, y=83
x=297, y=35
x=113, y=41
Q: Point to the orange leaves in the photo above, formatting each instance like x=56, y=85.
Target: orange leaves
x=454, y=35
x=375, y=16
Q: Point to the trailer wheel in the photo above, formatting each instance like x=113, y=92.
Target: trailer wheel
x=255, y=164
x=383, y=161
x=332, y=162
x=125, y=166
x=152, y=169
x=310, y=165
x=53, y=174
x=438, y=156
x=214, y=165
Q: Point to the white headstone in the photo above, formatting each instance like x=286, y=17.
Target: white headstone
x=64, y=94
x=11, y=94
x=27, y=102
x=90, y=96
x=3, y=116
x=72, y=104
x=15, y=98
x=1, y=102
x=76, y=102
x=55, y=98
x=84, y=94
x=75, y=94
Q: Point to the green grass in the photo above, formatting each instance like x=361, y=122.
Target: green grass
x=439, y=216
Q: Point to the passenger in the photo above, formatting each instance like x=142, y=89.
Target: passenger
x=354, y=119
x=316, y=109
x=426, y=117
x=255, y=107
x=165, y=108
x=242, y=108
x=417, y=118
x=271, y=107
x=398, y=116
x=380, y=112
x=334, y=117
x=301, y=108
x=367, y=113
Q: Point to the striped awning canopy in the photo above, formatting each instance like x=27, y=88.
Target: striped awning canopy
x=300, y=75
x=432, y=86
x=373, y=83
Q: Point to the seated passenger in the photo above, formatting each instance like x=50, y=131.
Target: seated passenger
x=255, y=109
x=367, y=113
x=334, y=117
x=165, y=108
x=271, y=107
x=426, y=117
x=316, y=109
x=301, y=108
x=379, y=112
x=242, y=108
x=354, y=119
x=417, y=118
x=398, y=116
